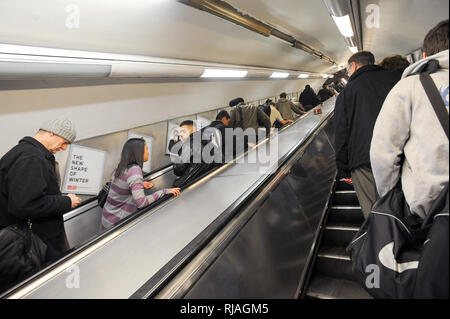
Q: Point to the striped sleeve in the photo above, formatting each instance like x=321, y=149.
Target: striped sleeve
x=157, y=195
x=134, y=180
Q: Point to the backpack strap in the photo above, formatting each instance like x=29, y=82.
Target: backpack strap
x=436, y=100
x=241, y=117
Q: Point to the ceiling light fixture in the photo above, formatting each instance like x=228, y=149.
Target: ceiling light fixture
x=219, y=73
x=344, y=25
x=279, y=75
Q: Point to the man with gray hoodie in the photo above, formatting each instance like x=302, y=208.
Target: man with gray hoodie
x=408, y=141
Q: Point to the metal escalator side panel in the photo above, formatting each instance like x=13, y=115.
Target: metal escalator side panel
x=129, y=257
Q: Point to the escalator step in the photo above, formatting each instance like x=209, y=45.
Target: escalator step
x=334, y=262
x=339, y=234
x=323, y=287
x=345, y=198
x=334, y=253
x=343, y=186
x=351, y=227
x=349, y=214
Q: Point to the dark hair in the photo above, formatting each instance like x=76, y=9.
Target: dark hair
x=362, y=58
x=436, y=39
x=394, y=63
x=187, y=123
x=132, y=154
x=236, y=101
x=307, y=86
x=222, y=114
x=283, y=95
x=268, y=101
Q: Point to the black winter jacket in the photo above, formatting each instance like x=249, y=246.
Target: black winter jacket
x=356, y=111
x=29, y=190
x=189, y=164
x=324, y=94
x=309, y=99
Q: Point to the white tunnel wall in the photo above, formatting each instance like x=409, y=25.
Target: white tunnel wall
x=103, y=114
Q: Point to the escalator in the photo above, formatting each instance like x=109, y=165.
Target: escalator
x=332, y=276
x=247, y=230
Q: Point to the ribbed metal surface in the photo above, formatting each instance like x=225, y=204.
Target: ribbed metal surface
x=332, y=276
x=226, y=11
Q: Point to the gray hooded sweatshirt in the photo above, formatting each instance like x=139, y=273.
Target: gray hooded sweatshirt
x=407, y=125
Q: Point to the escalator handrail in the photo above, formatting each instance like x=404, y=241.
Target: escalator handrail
x=108, y=235
x=83, y=207
x=155, y=284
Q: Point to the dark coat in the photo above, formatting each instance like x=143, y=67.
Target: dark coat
x=356, y=111
x=189, y=164
x=29, y=190
x=218, y=137
x=324, y=94
x=309, y=99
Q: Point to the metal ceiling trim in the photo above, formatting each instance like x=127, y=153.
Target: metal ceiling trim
x=226, y=11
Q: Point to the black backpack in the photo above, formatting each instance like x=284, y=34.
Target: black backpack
x=22, y=253
x=266, y=109
x=103, y=195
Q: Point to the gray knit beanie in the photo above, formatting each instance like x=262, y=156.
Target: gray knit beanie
x=61, y=127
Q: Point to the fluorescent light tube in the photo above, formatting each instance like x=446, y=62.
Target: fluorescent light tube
x=303, y=76
x=219, y=73
x=325, y=76
x=279, y=75
x=36, y=69
x=344, y=25
x=353, y=49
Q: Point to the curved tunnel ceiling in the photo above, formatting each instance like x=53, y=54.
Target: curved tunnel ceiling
x=166, y=28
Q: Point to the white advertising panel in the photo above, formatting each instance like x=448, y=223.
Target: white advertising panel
x=202, y=122
x=84, y=170
x=173, y=133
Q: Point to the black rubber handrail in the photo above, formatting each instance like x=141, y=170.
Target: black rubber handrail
x=122, y=223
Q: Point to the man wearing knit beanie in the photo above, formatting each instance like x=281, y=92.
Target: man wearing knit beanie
x=56, y=134
x=30, y=189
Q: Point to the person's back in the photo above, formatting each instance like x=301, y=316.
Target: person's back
x=308, y=98
x=324, y=94
x=126, y=196
x=408, y=126
x=126, y=193
x=214, y=143
x=247, y=116
x=286, y=108
x=356, y=111
x=364, y=94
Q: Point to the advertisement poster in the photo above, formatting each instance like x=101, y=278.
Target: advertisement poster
x=84, y=170
x=202, y=122
x=173, y=133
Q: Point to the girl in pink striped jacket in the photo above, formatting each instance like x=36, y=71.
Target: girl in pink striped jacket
x=126, y=194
